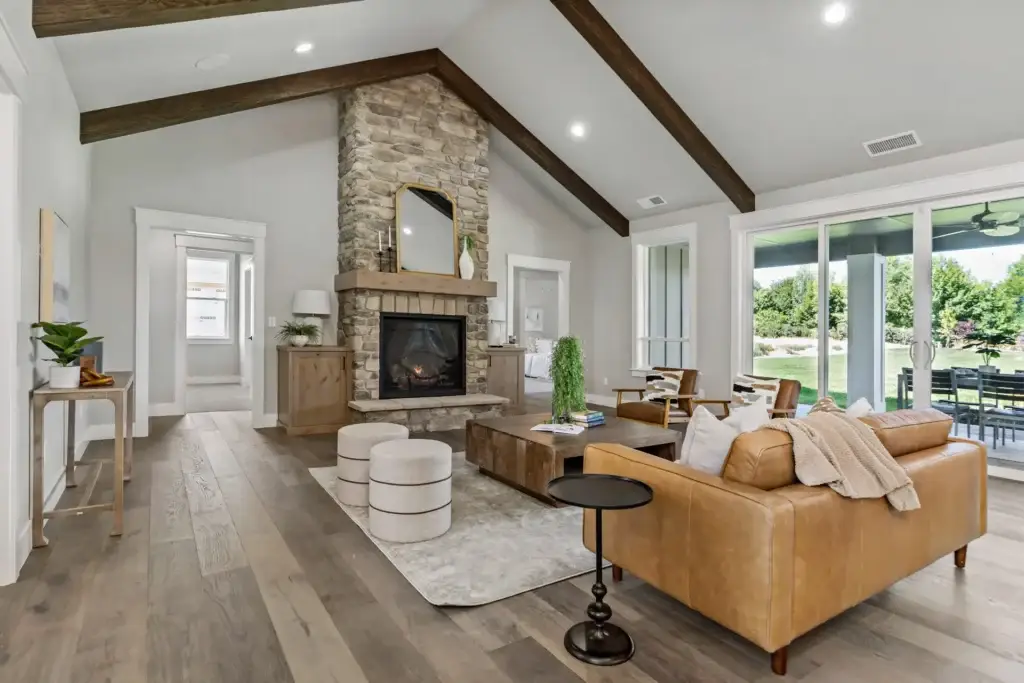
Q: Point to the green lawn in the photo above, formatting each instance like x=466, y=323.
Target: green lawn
x=805, y=369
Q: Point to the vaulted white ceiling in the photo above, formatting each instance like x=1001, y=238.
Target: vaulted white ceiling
x=786, y=99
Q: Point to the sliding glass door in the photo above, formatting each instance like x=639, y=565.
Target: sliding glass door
x=870, y=309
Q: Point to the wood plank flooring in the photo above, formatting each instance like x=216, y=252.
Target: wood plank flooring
x=236, y=567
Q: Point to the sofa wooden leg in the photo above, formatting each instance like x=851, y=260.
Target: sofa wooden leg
x=617, y=573
x=960, y=557
x=779, y=661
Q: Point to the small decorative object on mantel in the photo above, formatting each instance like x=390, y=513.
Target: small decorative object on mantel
x=67, y=341
x=466, y=267
x=386, y=262
x=298, y=333
x=568, y=394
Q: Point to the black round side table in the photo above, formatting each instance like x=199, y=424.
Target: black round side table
x=596, y=641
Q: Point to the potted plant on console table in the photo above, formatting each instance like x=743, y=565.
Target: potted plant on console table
x=298, y=333
x=67, y=341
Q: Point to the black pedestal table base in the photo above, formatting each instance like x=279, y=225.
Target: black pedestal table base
x=597, y=641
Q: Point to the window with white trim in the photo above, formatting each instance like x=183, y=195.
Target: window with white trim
x=208, y=297
x=663, y=299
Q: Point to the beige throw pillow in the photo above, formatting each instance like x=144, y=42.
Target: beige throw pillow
x=707, y=442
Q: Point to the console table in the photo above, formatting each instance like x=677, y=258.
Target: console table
x=122, y=394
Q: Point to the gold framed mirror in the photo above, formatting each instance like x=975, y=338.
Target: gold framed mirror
x=426, y=230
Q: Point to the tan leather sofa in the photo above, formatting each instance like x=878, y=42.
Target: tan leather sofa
x=771, y=559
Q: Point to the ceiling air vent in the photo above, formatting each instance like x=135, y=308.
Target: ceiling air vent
x=655, y=200
x=893, y=143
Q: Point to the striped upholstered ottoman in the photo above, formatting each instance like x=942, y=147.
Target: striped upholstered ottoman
x=354, y=444
x=410, y=490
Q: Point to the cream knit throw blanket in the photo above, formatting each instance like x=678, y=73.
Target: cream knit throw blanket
x=844, y=453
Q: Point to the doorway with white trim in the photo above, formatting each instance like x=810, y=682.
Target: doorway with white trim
x=538, y=313
x=199, y=297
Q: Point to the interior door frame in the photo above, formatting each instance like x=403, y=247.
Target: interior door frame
x=147, y=220
x=557, y=266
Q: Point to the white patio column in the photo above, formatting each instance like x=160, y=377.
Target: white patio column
x=866, y=323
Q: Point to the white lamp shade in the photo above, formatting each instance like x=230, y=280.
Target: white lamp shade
x=311, y=302
x=496, y=310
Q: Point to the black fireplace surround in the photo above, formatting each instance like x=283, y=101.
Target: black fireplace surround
x=422, y=355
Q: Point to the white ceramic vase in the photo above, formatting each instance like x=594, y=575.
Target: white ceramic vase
x=62, y=377
x=300, y=340
x=466, y=267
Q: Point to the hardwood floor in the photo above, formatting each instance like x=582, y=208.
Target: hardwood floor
x=236, y=567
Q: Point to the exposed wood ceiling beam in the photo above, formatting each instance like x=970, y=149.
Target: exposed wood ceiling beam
x=465, y=87
x=589, y=23
x=138, y=117
x=67, y=17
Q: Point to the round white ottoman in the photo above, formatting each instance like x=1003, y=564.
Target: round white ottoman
x=354, y=444
x=410, y=490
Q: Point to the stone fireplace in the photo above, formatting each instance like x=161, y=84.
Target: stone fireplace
x=422, y=355
x=411, y=130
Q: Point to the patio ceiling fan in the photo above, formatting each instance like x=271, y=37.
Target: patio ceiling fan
x=991, y=223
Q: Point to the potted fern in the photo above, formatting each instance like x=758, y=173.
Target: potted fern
x=67, y=341
x=298, y=333
x=568, y=394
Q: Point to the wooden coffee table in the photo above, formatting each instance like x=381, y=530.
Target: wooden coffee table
x=506, y=449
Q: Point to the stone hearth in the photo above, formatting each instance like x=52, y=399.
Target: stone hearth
x=430, y=414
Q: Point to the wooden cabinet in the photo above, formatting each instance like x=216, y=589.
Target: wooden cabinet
x=313, y=388
x=506, y=374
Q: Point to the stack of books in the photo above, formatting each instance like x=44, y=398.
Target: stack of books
x=588, y=418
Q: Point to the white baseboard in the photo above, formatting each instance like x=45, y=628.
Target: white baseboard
x=165, y=409
x=601, y=400
x=263, y=421
x=1005, y=473
x=214, y=379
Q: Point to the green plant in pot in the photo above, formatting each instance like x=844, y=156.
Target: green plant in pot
x=67, y=341
x=568, y=394
x=298, y=333
x=986, y=344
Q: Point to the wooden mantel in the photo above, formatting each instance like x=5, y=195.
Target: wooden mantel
x=420, y=283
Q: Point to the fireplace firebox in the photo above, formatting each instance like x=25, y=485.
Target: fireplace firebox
x=422, y=355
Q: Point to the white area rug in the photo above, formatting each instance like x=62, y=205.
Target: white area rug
x=502, y=542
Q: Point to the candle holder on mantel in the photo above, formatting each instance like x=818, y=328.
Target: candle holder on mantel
x=386, y=262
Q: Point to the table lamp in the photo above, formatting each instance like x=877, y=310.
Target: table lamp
x=313, y=305
x=496, y=313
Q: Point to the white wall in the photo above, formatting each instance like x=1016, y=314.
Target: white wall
x=948, y=164
x=612, y=292
x=276, y=165
x=525, y=222
x=54, y=174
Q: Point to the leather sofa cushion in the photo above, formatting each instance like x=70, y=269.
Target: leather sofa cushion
x=764, y=458
x=909, y=431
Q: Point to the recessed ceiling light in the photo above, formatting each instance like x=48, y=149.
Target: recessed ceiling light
x=835, y=14
x=577, y=130
x=407, y=231
x=303, y=48
x=213, y=62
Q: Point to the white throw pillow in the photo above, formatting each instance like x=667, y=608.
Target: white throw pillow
x=707, y=442
x=545, y=346
x=749, y=417
x=860, y=408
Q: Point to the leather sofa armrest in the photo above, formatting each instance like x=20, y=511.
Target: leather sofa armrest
x=725, y=549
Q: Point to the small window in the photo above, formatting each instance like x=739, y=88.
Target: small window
x=207, y=292
x=664, y=294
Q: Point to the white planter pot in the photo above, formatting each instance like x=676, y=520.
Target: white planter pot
x=466, y=267
x=988, y=368
x=65, y=377
x=301, y=340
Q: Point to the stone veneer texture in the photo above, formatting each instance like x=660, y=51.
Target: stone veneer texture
x=432, y=419
x=410, y=130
